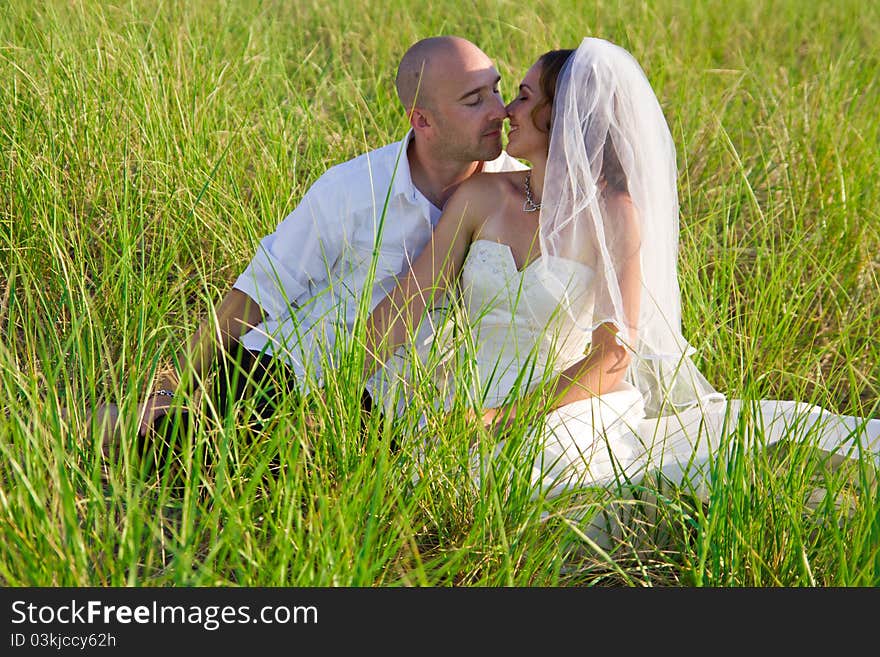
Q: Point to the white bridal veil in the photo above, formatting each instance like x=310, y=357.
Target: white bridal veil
x=610, y=145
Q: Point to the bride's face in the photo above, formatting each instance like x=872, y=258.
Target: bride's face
x=528, y=135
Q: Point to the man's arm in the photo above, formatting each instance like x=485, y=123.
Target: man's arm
x=235, y=316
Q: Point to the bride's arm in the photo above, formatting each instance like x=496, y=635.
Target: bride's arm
x=435, y=270
x=600, y=371
x=607, y=360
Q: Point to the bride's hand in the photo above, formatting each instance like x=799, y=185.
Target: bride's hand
x=496, y=421
x=485, y=417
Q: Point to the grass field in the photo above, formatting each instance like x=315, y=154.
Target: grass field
x=146, y=146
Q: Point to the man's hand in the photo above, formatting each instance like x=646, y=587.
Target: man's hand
x=155, y=407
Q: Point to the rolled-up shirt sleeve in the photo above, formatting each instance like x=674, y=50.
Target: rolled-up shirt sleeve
x=298, y=256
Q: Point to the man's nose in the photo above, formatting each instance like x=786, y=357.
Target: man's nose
x=500, y=109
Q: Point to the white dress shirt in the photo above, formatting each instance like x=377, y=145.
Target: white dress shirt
x=310, y=274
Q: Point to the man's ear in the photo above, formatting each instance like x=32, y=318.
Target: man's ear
x=419, y=119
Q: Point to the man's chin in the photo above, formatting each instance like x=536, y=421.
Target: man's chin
x=491, y=152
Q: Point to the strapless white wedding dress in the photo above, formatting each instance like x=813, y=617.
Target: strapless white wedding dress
x=516, y=337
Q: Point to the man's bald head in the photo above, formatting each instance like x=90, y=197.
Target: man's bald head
x=430, y=58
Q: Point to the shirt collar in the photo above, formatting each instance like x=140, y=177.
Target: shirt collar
x=403, y=184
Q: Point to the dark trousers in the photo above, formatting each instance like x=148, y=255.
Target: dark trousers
x=241, y=374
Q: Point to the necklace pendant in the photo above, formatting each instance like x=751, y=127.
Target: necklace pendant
x=530, y=207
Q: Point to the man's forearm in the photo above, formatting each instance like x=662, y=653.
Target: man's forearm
x=235, y=316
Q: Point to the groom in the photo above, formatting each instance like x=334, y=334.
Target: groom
x=311, y=272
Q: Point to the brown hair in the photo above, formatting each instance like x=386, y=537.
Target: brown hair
x=551, y=64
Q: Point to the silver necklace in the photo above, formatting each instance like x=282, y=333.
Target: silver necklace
x=529, y=204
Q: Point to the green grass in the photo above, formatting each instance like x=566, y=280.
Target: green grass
x=146, y=146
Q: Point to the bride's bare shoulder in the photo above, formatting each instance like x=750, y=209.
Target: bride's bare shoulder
x=489, y=189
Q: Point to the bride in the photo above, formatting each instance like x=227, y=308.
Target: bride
x=567, y=273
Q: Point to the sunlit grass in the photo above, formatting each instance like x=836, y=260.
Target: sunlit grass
x=144, y=149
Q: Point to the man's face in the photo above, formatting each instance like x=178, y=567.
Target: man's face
x=466, y=109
